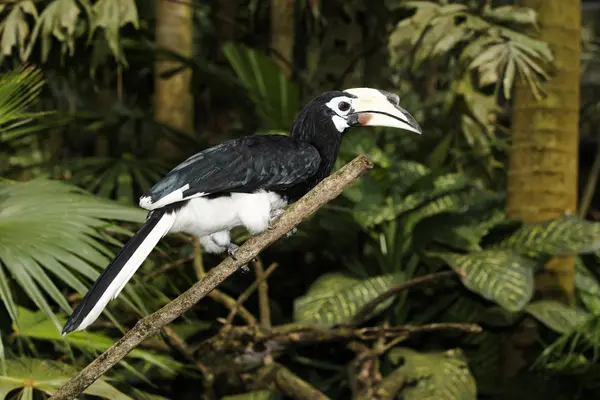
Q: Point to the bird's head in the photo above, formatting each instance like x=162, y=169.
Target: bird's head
x=338, y=111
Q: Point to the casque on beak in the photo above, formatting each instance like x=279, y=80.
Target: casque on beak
x=374, y=107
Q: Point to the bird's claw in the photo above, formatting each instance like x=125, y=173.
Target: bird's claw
x=291, y=233
x=232, y=249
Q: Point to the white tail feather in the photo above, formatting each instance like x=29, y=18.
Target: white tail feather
x=133, y=264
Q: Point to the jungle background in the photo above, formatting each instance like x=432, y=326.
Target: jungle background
x=464, y=265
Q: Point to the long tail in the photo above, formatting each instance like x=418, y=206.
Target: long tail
x=120, y=270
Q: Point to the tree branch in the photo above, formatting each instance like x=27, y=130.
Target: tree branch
x=263, y=295
x=289, y=383
x=324, y=192
x=364, y=312
x=292, y=334
x=246, y=294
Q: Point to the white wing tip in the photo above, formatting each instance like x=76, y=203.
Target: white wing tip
x=145, y=202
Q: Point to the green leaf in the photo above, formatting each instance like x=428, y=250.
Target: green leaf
x=50, y=229
x=520, y=15
x=439, y=376
x=462, y=230
x=557, y=316
x=18, y=89
x=277, y=100
x=14, y=29
x=579, y=344
x=334, y=298
x=563, y=236
x=483, y=352
x=36, y=325
x=57, y=21
x=112, y=15
x=587, y=287
x=501, y=276
x=432, y=189
x=48, y=376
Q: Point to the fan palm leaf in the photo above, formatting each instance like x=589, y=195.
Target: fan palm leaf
x=49, y=229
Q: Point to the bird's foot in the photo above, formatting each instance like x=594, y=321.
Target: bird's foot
x=274, y=217
x=232, y=248
x=291, y=233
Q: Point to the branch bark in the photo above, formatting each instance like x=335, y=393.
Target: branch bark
x=324, y=192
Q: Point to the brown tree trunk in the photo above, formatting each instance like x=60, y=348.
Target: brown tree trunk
x=543, y=165
x=282, y=33
x=542, y=171
x=174, y=101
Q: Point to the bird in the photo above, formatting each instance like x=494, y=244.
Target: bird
x=246, y=182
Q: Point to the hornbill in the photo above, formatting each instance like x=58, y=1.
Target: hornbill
x=243, y=182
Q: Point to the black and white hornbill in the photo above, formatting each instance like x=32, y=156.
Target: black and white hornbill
x=243, y=182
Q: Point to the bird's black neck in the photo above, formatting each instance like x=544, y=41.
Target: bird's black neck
x=318, y=130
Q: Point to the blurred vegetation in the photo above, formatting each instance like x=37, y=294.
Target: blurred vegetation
x=377, y=295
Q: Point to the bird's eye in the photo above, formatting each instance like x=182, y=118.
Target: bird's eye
x=343, y=106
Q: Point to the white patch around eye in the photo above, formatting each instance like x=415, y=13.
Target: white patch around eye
x=334, y=105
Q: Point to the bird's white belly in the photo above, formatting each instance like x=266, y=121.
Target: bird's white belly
x=202, y=216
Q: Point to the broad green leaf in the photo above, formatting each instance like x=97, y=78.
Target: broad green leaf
x=257, y=395
x=58, y=21
x=36, y=325
x=334, y=298
x=112, y=15
x=557, y=316
x=462, y=230
x=435, y=376
x=277, y=100
x=521, y=15
x=14, y=28
x=562, y=236
x=587, y=287
x=501, y=276
x=48, y=376
x=483, y=352
x=437, y=188
x=50, y=231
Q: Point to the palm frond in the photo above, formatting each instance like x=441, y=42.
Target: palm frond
x=18, y=90
x=51, y=229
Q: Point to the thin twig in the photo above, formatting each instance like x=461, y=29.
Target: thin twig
x=230, y=303
x=247, y=293
x=263, y=295
x=364, y=312
x=289, y=383
x=198, y=260
x=167, y=267
x=311, y=334
x=324, y=192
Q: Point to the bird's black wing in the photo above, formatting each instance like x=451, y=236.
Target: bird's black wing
x=270, y=162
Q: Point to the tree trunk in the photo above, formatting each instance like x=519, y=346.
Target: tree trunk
x=282, y=33
x=542, y=172
x=174, y=101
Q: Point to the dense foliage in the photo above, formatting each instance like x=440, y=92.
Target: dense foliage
x=407, y=285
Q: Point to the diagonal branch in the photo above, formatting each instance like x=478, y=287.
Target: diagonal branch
x=324, y=192
x=366, y=310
